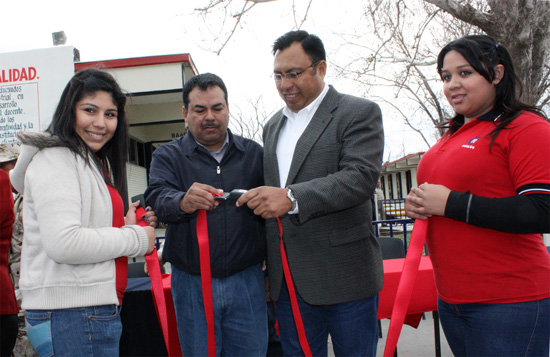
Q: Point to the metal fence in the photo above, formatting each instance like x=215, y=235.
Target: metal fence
x=390, y=209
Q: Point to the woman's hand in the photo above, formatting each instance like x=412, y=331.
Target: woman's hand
x=413, y=209
x=426, y=200
x=149, y=217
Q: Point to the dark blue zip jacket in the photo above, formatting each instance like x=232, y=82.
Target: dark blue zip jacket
x=237, y=236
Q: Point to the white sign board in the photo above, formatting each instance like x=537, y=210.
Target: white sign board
x=31, y=83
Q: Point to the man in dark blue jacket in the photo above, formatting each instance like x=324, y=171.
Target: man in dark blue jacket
x=184, y=174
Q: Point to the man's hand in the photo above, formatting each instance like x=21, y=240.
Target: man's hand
x=199, y=196
x=152, y=238
x=161, y=262
x=266, y=201
x=426, y=200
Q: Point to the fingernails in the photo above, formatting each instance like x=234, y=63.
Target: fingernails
x=143, y=217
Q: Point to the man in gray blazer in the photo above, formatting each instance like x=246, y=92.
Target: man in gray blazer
x=322, y=159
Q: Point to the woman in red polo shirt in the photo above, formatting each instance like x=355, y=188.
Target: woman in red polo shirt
x=486, y=192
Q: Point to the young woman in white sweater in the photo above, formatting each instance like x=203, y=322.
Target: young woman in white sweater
x=77, y=239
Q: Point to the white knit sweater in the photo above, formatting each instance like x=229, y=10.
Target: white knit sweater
x=69, y=244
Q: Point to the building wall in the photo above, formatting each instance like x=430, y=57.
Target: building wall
x=149, y=78
x=150, y=113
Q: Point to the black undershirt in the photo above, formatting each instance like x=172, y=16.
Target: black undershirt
x=515, y=214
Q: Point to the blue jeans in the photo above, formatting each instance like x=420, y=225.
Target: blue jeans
x=353, y=326
x=514, y=329
x=240, y=313
x=86, y=331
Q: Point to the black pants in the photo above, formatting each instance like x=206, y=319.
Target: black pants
x=9, y=328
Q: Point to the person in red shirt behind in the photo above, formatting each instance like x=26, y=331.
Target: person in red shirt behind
x=486, y=193
x=8, y=302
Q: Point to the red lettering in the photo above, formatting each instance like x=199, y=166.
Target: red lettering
x=14, y=74
x=32, y=73
x=23, y=75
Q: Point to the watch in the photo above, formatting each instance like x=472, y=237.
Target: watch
x=292, y=199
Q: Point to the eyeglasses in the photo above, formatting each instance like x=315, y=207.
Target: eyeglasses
x=292, y=76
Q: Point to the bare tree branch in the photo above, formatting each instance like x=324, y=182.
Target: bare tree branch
x=249, y=122
x=466, y=12
x=304, y=18
x=398, y=43
x=403, y=44
x=237, y=23
x=407, y=121
x=238, y=16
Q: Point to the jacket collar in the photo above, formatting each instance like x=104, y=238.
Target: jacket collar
x=189, y=144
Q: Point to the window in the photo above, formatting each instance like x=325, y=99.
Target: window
x=409, y=180
x=399, y=185
x=390, y=186
x=136, y=152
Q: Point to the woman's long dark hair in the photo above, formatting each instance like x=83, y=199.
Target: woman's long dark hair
x=111, y=158
x=484, y=53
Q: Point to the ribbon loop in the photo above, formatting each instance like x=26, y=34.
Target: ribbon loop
x=293, y=300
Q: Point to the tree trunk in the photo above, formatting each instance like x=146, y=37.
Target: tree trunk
x=523, y=27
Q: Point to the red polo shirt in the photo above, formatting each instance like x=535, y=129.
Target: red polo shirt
x=473, y=264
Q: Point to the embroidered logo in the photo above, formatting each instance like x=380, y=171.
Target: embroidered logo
x=471, y=143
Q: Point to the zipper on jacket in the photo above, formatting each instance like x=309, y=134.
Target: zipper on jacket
x=218, y=170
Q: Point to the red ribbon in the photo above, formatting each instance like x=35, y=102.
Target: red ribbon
x=293, y=300
x=406, y=285
x=157, y=289
x=401, y=303
x=206, y=279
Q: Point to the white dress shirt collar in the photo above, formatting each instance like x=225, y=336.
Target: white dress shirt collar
x=291, y=131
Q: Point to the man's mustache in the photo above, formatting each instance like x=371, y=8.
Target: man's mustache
x=210, y=125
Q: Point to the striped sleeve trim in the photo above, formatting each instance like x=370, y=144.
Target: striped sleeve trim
x=468, y=208
x=535, y=188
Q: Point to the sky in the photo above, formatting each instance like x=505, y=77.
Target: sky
x=115, y=29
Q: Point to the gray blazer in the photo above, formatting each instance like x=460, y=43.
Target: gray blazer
x=331, y=248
